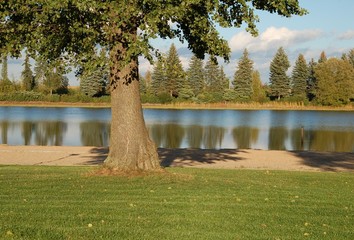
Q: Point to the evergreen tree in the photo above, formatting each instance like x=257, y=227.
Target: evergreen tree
x=186, y=91
x=28, y=81
x=54, y=80
x=212, y=75
x=195, y=75
x=258, y=94
x=243, y=78
x=224, y=80
x=311, y=80
x=142, y=84
x=279, y=81
x=300, y=75
x=174, y=72
x=349, y=57
x=40, y=72
x=322, y=58
x=158, y=84
x=94, y=79
x=335, y=82
x=4, y=70
x=5, y=84
x=148, y=81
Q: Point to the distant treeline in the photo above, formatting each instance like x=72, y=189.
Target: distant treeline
x=324, y=82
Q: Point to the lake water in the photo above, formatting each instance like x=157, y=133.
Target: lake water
x=208, y=129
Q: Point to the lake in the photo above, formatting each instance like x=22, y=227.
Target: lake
x=207, y=129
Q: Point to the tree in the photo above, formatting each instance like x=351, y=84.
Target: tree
x=335, y=82
x=258, y=94
x=5, y=84
x=4, y=70
x=40, y=71
x=28, y=80
x=300, y=75
x=323, y=57
x=148, y=81
x=279, y=81
x=224, y=81
x=243, y=78
x=174, y=72
x=54, y=80
x=212, y=74
x=159, y=84
x=311, y=80
x=349, y=57
x=195, y=75
x=94, y=79
x=73, y=29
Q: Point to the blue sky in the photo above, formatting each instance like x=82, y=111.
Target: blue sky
x=328, y=27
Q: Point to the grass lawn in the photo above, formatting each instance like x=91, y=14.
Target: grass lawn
x=39, y=202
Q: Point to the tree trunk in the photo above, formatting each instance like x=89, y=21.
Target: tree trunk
x=130, y=145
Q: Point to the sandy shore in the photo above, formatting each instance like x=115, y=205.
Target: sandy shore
x=225, y=158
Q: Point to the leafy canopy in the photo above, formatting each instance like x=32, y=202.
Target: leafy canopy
x=72, y=29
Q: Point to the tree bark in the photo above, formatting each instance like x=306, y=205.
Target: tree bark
x=130, y=145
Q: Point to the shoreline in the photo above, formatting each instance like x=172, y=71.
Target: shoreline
x=196, y=158
x=189, y=106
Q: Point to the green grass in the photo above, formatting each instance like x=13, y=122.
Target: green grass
x=39, y=202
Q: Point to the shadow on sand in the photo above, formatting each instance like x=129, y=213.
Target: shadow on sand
x=99, y=154
x=191, y=157
x=323, y=161
x=327, y=161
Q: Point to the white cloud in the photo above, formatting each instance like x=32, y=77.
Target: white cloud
x=272, y=38
x=348, y=35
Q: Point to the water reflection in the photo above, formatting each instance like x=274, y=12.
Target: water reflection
x=195, y=136
x=245, y=137
x=39, y=133
x=275, y=130
x=94, y=133
x=324, y=140
x=167, y=135
x=277, y=137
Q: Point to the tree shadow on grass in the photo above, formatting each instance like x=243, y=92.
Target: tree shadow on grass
x=193, y=157
x=328, y=161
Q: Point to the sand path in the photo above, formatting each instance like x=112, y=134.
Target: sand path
x=225, y=158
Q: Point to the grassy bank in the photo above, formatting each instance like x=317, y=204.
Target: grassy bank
x=66, y=203
x=238, y=106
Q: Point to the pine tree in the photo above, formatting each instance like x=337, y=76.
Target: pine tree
x=50, y=77
x=4, y=70
x=195, y=75
x=28, y=80
x=40, y=72
x=243, y=78
x=148, y=81
x=279, y=81
x=224, y=81
x=300, y=75
x=54, y=80
x=349, y=57
x=158, y=84
x=5, y=84
x=94, y=79
x=212, y=74
x=174, y=72
x=311, y=80
x=322, y=58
